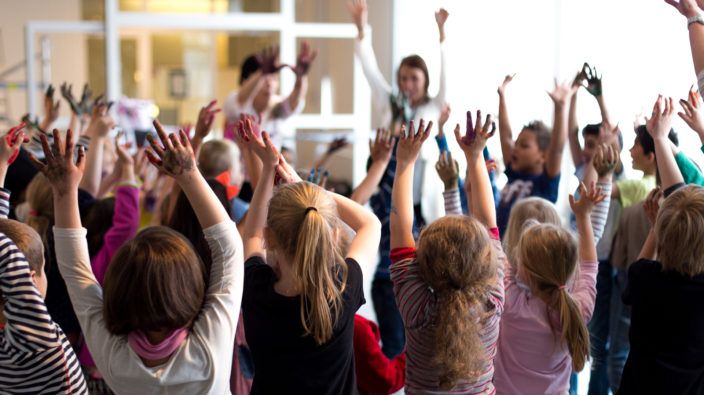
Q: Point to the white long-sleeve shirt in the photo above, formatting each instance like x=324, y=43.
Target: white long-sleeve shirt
x=202, y=364
x=427, y=182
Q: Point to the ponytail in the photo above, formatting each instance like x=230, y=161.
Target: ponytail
x=573, y=329
x=320, y=272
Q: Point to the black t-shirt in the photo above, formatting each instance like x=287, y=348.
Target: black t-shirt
x=667, y=331
x=285, y=360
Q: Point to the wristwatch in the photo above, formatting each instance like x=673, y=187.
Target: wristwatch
x=695, y=19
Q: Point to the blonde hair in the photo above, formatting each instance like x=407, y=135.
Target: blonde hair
x=534, y=208
x=548, y=255
x=40, y=199
x=679, y=226
x=303, y=221
x=217, y=157
x=456, y=260
x=27, y=240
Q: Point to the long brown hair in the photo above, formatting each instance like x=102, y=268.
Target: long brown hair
x=415, y=62
x=303, y=222
x=456, y=259
x=548, y=254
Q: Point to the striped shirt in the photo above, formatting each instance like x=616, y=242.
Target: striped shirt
x=35, y=357
x=4, y=202
x=418, y=307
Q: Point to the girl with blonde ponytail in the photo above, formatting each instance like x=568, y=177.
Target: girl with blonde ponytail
x=543, y=330
x=301, y=291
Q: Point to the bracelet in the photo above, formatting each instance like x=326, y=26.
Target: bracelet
x=695, y=19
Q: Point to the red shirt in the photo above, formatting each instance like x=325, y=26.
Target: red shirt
x=376, y=374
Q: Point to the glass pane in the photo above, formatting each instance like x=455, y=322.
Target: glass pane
x=330, y=87
x=312, y=144
x=95, y=9
x=321, y=11
x=96, y=65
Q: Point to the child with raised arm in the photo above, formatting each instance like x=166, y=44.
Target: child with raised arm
x=533, y=161
x=35, y=356
x=543, y=329
x=301, y=290
x=448, y=285
x=667, y=328
x=155, y=326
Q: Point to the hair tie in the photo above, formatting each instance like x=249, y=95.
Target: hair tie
x=33, y=213
x=308, y=209
x=562, y=287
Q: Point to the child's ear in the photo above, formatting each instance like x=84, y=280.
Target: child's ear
x=33, y=273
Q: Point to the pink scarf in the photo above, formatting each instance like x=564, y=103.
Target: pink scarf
x=145, y=349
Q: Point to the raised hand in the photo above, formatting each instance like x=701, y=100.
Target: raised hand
x=659, y=124
x=206, y=115
x=651, y=205
x=68, y=96
x=51, y=108
x=336, y=145
x=476, y=135
x=319, y=177
x=305, y=58
x=269, y=60
x=85, y=104
x=444, y=116
x=593, y=79
x=449, y=170
x=358, y=11
x=410, y=143
x=174, y=155
x=692, y=114
x=507, y=80
x=285, y=174
x=382, y=146
x=63, y=174
x=688, y=8
x=101, y=122
x=440, y=18
x=10, y=145
x=581, y=76
x=562, y=92
x=605, y=160
x=588, y=198
x=262, y=147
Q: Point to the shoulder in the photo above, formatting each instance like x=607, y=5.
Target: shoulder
x=644, y=268
x=256, y=269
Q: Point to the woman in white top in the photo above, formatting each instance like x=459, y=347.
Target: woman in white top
x=257, y=94
x=412, y=102
x=157, y=326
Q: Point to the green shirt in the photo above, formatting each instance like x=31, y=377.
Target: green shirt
x=634, y=191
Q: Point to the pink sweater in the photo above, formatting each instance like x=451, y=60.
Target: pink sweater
x=529, y=360
x=125, y=223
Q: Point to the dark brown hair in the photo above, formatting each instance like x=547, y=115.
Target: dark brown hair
x=415, y=62
x=456, y=260
x=542, y=133
x=155, y=282
x=98, y=222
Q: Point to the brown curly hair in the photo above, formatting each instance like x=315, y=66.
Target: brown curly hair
x=456, y=259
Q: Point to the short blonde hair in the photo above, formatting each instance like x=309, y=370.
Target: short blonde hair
x=679, y=229
x=27, y=240
x=217, y=157
x=532, y=208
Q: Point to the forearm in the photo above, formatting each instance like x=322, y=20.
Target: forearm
x=696, y=42
x=604, y=111
x=482, y=196
x=667, y=166
x=298, y=93
x=94, y=161
x=557, y=141
x=505, y=132
x=587, y=246
x=249, y=87
x=573, y=133
x=66, y=213
x=600, y=213
x=322, y=161
x=256, y=215
x=402, y=207
x=205, y=203
x=254, y=167
x=648, y=250
x=368, y=186
x=351, y=213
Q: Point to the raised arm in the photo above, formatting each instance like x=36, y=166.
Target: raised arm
x=100, y=124
x=505, y=132
x=380, y=151
x=573, y=124
x=560, y=96
x=440, y=18
x=305, y=58
x=594, y=87
x=473, y=143
x=659, y=126
x=333, y=147
x=690, y=9
x=175, y=157
x=204, y=125
x=364, y=246
x=407, y=153
x=253, y=238
x=600, y=171
x=651, y=205
x=51, y=109
x=692, y=113
x=582, y=209
x=449, y=172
